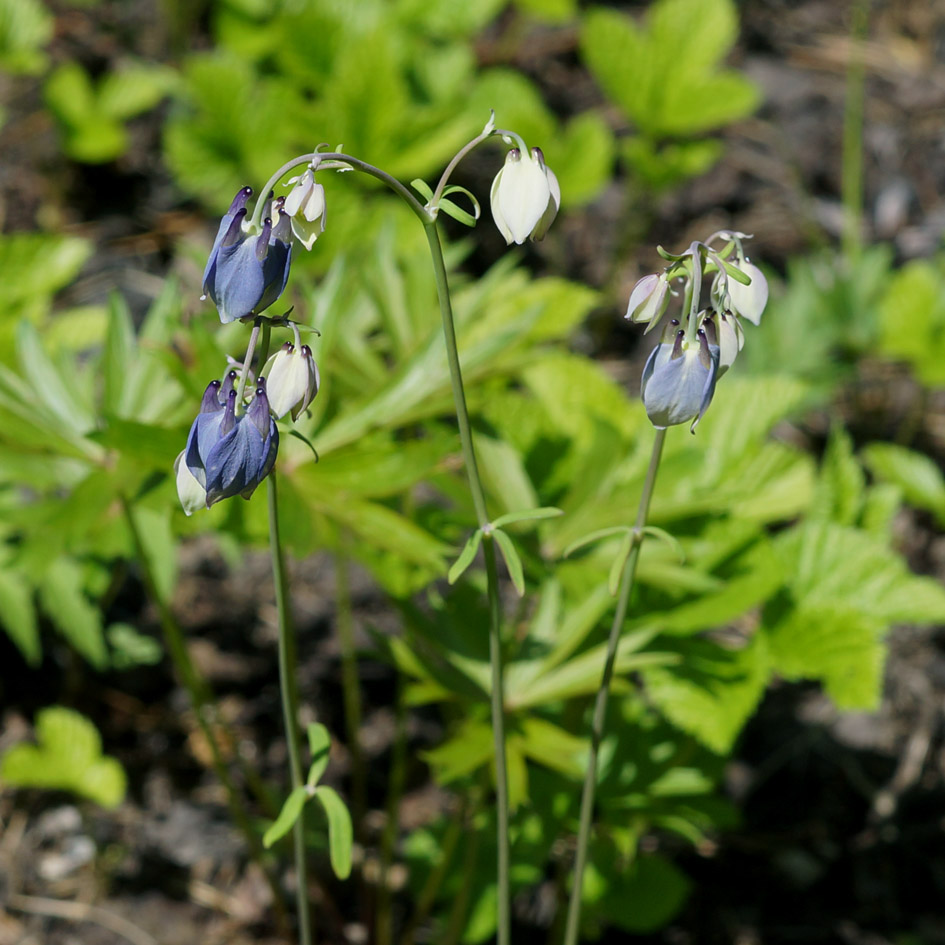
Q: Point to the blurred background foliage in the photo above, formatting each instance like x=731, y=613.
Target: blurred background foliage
x=785, y=504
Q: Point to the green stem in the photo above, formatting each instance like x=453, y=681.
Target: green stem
x=351, y=692
x=247, y=362
x=488, y=550
x=202, y=701
x=288, y=686
x=600, y=704
x=852, y=184
x=384, y=924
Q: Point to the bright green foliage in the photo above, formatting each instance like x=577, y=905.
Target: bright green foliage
x=25, y=27
x=91, y=116
x=916, y=475
x=68, y=757
x=340, y=832
x=665, y=76
x=912, y=319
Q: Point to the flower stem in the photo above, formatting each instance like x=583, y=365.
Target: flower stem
x=288, y=688
x=488, y=550
x=600, y=703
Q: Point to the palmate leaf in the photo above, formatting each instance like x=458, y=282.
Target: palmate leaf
x=68, y=757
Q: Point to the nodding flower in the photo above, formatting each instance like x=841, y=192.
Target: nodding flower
x=525, y=196
x=226, y=454
x=305, y=206
x=293, y=380
x=248, y=266
x=679, y=378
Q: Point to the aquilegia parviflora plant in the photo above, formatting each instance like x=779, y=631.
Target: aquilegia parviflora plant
x=234, y=439
x=697, y=347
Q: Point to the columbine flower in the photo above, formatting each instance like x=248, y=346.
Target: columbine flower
x=748, y=300
x=649, y=299
x=305, y=205
x=246, y=273
x=227, y=454
x=525, y=196
x=293, y=380
x=679, y=379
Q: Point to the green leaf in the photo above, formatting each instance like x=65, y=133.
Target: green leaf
x=466, y=556
x=530, y=515
x=68, y=757
x=289, y=814
x=597, y=535
x=836, y=645
x=25, y=27
x=712, y=690
x=134, y=89
x=422, y=188
x=18, y=613
x=841, y=486
x=453, y=210
x=119, y=353
x=340, y=833
x=620, y=559
x=669, y=540
x=512, y=561
x=131, y=648
x=917, y=475
x=553, y=747
x=516, y=772
x=62, y=595
x=319, y=745
x=469, y=749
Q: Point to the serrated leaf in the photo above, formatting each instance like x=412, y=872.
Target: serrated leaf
x=917, y=475
x=838, y=495
x=68, y=757
x=289, y=814
x=319, y=745
x=512, y=561
x=340, y=833
x=18, y=614
x=466, y=556
x=62, y=596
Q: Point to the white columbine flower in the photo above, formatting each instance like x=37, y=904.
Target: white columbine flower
x=525, y=196
x=291, y=380
x=305, y=205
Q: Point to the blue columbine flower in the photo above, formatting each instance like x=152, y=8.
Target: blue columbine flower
x=227, y=454
x=247, y=272
x=679, y=380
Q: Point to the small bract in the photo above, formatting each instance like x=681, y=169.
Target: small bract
x=525, y=196
x=649, y=299
x=292, y=380
x=247, y=272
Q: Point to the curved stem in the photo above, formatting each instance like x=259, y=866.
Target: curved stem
x=288, y=687
x=488, y=549
x=600, y=703
x=349, y=161
x=484, y=135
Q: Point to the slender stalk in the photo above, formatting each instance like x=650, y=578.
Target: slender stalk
x=852, y=183
x=488, y=550
x=288, y=687
x=351, y=691
x=202, y=701
x=600, y=703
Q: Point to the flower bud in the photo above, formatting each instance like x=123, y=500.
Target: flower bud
x=525, y=196
x=748, y=300
x=679, y=380
x=305, y=205
x=292, y=380
x=246, y=273
x=649, y=299
x=192, y=495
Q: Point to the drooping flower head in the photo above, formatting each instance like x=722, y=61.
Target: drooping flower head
x=681, y=373
x=227, y=454
x=525, y=196
x=248, y=268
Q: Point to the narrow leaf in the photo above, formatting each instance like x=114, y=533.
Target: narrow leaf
x=319, y=744
x=456, y=212
x=287, y=816
x=527, y=516
x=340, y=833
x=616, y=569
x=670, y=540
x=422, y=188
x=597, y=535
x=465, y=558
x=512, y=561
x=18, y=614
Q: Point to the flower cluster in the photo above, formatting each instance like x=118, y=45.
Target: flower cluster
x=681, y=372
